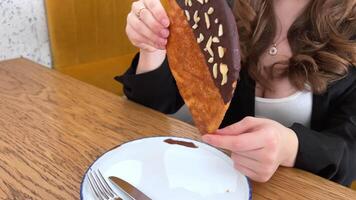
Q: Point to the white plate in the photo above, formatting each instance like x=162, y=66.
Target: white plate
x=172, y=172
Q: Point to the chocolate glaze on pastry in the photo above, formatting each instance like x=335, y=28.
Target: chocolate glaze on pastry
x=213, y=22
x=204, y=58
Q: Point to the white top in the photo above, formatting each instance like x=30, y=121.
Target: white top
x=296, y=108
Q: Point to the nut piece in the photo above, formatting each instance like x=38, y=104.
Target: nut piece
x=200, y=38
x=221, y=31
x=216, y=40
x=189, y=3
x=215, y=70
x=207, y=20
x=221, y=51
x=201, y=1
x=211, y=60
x=206, y=1
x=211, y=10
x=224, y=70
x=208, y=46
x=187, y=14
x=216, y=20
x=196, y=17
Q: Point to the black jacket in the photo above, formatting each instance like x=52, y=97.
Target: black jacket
x=327, y=149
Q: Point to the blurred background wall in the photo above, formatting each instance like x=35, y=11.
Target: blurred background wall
x=23, y=31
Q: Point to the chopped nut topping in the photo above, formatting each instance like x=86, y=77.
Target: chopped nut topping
x=211, y=10
x=196, y=17
x=211, y=60
x=207, y=20
x=221, y=32
x=221, y=51
x=216, y=40
x=201, y=38
x=224, y=70
x=187, y=14
x=208, y=46
x=190, y=3
x=215, y=70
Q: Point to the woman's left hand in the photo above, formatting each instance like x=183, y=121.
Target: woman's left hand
x=258, y=146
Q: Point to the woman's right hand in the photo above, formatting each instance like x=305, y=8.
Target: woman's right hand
x=147, y=29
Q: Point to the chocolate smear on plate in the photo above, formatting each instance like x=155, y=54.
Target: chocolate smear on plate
x=182, y=143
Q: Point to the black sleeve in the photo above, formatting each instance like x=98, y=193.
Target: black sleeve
x=156, y=89
x=331, y=152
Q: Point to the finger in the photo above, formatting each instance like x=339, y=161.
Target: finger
x=142, y=29
x=249, y=142
x=153, y=24
x=141, y=42
x=156, y=8
x=147, y=18
x=133, y=36
x=236, y=143
x=245, y=125
x=137, y=39
x=137, y=5
x=139, y=27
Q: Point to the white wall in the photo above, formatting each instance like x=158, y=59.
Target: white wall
x=23, y=31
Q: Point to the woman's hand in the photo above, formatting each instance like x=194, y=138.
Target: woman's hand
x=147, y=25
x=258, y=146
x=147, y=29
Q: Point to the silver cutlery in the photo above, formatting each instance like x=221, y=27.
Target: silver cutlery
x=129, y=189
x=100, y=187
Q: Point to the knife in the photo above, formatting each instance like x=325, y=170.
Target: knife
x=129, y=189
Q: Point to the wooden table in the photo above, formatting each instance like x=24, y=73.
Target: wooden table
x=52, y=127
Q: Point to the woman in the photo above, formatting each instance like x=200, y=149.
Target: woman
x=295, y=104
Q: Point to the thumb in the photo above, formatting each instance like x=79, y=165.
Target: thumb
x=243, y=126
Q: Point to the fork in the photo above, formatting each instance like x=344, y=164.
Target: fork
x=100, y=187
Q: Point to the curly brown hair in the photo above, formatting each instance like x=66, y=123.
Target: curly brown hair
x=321, y=40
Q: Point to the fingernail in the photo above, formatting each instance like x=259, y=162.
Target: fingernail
x=165, y=33
x=165, y=22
